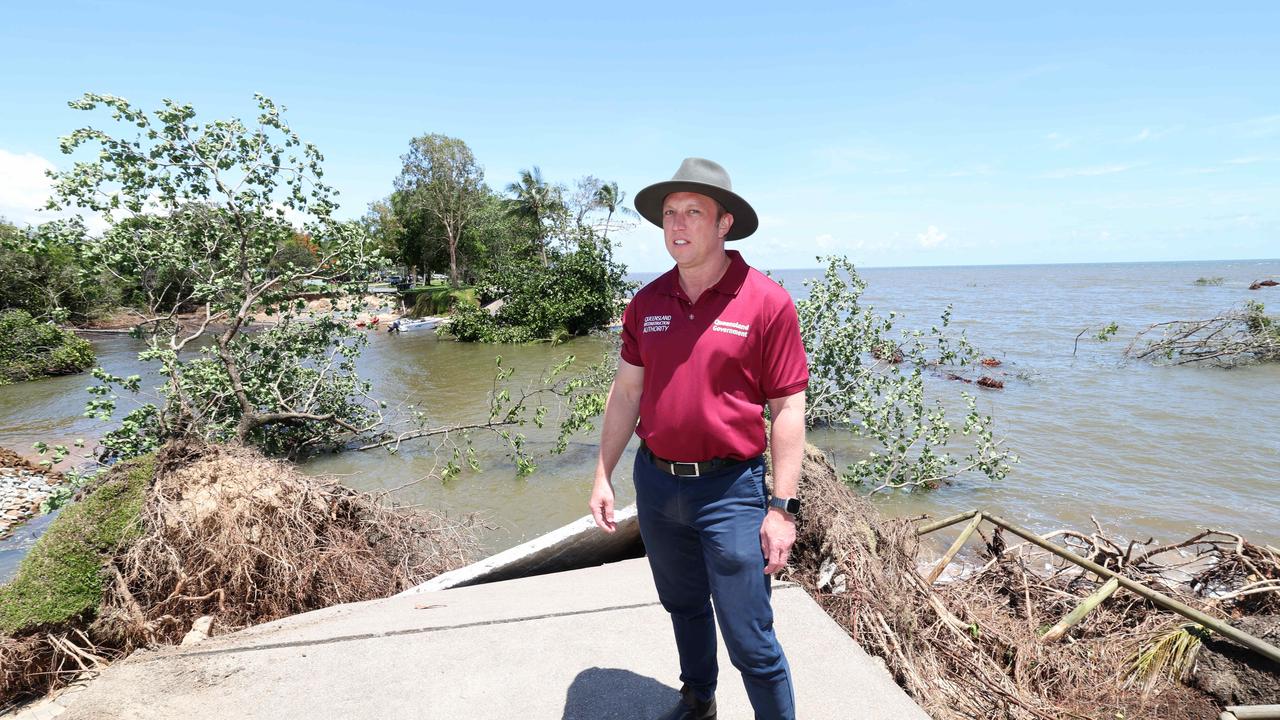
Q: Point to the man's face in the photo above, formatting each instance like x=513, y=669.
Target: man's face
x=692, y=232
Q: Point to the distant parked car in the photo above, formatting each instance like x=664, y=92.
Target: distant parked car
x=395, y=279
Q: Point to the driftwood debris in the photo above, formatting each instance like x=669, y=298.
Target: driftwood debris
x=1237, y=336
x=971, y=646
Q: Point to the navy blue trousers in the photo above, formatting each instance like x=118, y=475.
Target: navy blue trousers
x=702, y=536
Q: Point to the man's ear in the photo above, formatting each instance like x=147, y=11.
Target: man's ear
x=726, y=222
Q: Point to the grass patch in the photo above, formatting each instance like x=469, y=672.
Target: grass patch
x=437, y=299
x=60, y=580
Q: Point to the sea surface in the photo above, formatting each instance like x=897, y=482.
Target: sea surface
x=1148, y=451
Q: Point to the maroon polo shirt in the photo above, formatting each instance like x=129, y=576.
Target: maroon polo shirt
x=710, y=366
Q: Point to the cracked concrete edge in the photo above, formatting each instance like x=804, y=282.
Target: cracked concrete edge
x=580, y=544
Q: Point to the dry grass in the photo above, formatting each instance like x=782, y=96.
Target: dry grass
x=971, y=648
x=228, y=533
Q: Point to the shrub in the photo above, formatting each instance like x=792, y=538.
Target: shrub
x=576, y=292
x=30, y=349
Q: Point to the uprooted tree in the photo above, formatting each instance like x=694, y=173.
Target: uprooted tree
x=870, y=380
x=1241, y=335
x=200, y=222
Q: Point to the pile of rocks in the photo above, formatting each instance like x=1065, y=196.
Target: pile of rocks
x=22, y=488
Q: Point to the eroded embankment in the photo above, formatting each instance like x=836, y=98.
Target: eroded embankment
x=972, y=647
x=203, y=531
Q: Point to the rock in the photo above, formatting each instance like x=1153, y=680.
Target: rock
x=990, y=382
x=200, y=630
x=1234, y=675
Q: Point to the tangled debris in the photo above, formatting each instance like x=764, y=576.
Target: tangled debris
x=1240, y=335
x=972, y=647
x=219, y=532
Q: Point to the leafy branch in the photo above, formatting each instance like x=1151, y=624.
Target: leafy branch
x=865, y=378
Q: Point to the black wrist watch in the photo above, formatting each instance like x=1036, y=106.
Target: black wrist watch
x=790, y=506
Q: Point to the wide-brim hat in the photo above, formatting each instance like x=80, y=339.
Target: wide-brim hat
x=698, y=175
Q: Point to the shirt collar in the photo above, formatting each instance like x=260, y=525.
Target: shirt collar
x=729, y=284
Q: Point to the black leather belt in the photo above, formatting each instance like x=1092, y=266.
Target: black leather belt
x=687, y=469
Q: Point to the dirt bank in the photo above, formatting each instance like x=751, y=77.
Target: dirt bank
x=194, y=532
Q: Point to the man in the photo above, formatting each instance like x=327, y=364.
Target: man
x=704, y=348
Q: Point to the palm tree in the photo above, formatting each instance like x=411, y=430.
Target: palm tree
x=610, y=198
x=535, y=199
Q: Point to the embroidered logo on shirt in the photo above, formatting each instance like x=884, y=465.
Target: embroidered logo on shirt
x=657, y=323
x=732, y=328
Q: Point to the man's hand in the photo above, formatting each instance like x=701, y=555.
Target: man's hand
x=602, y=505
x=777, y=535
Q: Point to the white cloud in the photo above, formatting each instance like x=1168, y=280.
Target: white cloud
x=1245, y=160
x=1091, y=171
x=931, y=238
x=23, y=186
x=1144, y=135
x=824, y=241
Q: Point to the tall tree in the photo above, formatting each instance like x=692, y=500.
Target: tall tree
x=610, y=198
x=441, y=177
x=536, y=200
x=209, y=200
x=384, y=228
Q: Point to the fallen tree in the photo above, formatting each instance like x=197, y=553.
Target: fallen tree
x=973, y=647
x=203, y=531
x=1239, y=336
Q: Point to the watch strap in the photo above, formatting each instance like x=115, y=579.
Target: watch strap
x=790, y=506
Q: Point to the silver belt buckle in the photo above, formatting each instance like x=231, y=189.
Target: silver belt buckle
x=675, y=469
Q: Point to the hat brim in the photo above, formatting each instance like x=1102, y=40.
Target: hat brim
x=649, y=201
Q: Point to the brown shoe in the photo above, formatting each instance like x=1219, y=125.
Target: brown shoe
x=691, y=708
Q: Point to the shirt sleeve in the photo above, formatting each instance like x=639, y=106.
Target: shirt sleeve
x=786, y=367
x=631, y=336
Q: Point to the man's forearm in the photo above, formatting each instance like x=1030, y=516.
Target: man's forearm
x=620, y=415
x=786, y=442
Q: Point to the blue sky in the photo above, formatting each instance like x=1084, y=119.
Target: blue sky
x=902, y=133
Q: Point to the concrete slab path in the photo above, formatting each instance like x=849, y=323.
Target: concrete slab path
x=588, y=644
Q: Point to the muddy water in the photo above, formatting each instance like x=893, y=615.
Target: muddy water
x=1147, y=450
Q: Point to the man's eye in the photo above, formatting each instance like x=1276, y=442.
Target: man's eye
x=668, y=212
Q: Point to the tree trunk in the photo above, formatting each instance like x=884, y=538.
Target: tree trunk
x=453, y=262
x=605, y=235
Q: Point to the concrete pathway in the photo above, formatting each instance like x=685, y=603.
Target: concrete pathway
x=588, y=644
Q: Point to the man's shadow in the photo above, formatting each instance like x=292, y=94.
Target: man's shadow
x=614, y=694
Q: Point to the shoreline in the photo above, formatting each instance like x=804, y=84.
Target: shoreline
x=23, y=487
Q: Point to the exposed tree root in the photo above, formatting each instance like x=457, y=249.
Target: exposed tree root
x=971, y=647
x=230, y=534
